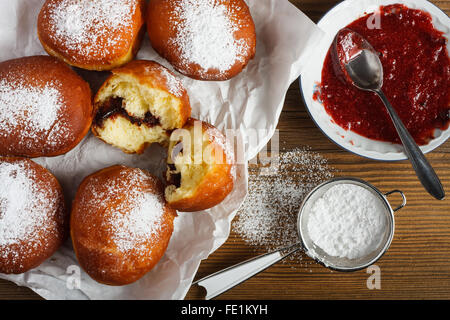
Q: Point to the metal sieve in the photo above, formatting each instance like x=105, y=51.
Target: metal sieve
x=226, y=279
x=345, y=264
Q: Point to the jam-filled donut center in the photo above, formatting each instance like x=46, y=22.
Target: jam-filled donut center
x=173, y=174
x=140, y=100
x=185, y=172
x=116, y=106
x=173, y=177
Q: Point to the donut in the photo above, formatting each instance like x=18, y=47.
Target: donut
x=92, y=34
x=200, y=167
x=33, y=217
x=120, y=224
x=45, y=107
x=138, y=105
x=203, y=39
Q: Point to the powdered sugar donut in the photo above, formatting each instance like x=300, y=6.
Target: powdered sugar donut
x=203, y=39
x=92, y=34
x=120, y=224
x=33, y=219
x=45, y=107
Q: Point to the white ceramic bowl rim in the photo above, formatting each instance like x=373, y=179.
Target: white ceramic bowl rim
x=338, y=17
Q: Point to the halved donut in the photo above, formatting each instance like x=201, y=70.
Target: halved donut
x=200, y=167
x=139, y=104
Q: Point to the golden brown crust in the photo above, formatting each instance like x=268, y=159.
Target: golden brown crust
x=213, y=189
x=19, y=137
x=49, y=232
x=112, y=48
x=163, y=24
x=92, y=232
x=217, y=183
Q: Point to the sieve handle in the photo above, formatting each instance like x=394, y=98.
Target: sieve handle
x=403, y=196
x=224, y=280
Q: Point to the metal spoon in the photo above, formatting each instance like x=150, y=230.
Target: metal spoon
x=360, y=65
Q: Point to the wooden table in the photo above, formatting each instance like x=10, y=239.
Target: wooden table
x=417, y=265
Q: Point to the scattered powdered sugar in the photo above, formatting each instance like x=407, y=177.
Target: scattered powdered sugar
x=348, y=221
x=174, y=84
x=136, y=219
x=36, y=108
x=205, y=35
x=220, y=140
x=60, y=132
x=140, y=223
x=85, y=25
x=267, y=219
x=25, y=208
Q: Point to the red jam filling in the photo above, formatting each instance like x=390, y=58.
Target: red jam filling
x=416, y=78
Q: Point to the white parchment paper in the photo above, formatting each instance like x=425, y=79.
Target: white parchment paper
x=250, y=103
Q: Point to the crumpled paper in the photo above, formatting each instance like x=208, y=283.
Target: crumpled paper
x=250, y=103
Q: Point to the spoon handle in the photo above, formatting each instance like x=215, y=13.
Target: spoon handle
x=424, y=171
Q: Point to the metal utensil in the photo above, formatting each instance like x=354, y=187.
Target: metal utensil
x=345, y=264
x=222, y=281
x=362, y=67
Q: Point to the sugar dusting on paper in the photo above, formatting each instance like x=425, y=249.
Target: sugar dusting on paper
x=267, y=219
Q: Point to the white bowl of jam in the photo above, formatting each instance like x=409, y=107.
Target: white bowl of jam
x=412, y=41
